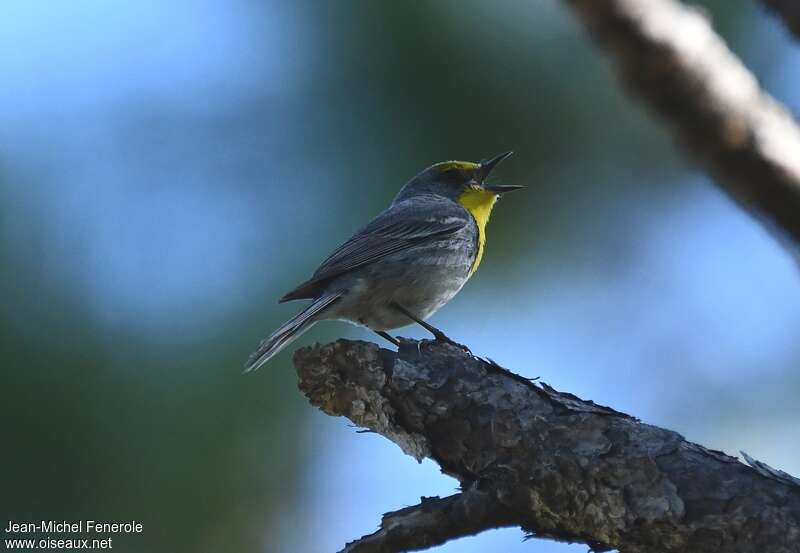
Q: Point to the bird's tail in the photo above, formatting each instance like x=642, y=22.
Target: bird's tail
x=289, y=331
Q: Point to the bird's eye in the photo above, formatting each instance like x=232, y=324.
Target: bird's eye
x=473, y=184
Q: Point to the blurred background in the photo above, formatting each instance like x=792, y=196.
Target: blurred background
x=169, y=169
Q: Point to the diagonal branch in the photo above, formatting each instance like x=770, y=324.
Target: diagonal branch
x=669, y=57
x=555, y=465
x=789, y=11
x=433, y=522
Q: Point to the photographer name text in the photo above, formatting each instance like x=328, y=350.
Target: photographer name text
x=73, y=527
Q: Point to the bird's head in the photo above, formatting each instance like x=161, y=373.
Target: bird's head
x=454, y=179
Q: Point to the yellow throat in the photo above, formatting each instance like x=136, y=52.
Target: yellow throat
x=479, y=203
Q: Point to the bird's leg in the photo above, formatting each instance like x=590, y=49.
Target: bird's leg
x=388, y=337
x=438, y=334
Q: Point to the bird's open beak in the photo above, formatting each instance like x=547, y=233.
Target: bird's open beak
x=502, y=188
x=488, y=166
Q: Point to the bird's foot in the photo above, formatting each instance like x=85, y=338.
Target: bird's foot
x=409, y=344
x=438, y=335
x=442, y=338
x=388, y=337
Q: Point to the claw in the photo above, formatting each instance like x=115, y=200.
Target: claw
x=442, y=338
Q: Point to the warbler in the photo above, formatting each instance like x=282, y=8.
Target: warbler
x=406, y=263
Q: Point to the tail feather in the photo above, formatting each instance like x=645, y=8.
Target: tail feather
x=289, y=331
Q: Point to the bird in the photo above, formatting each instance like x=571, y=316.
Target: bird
x=406, y=263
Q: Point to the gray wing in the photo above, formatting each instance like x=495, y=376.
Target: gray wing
x=400, y=227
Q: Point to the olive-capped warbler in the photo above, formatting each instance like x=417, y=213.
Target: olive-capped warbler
x=406, y=263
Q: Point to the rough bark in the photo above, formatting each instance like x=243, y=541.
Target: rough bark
x=789, y=11
x=668, y=56
x=434, y=521
x=555, y=465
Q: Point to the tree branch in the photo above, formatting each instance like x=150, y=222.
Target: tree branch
x=433, y=522
x=557, y=466
x=789, y=11
x=669, y=56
